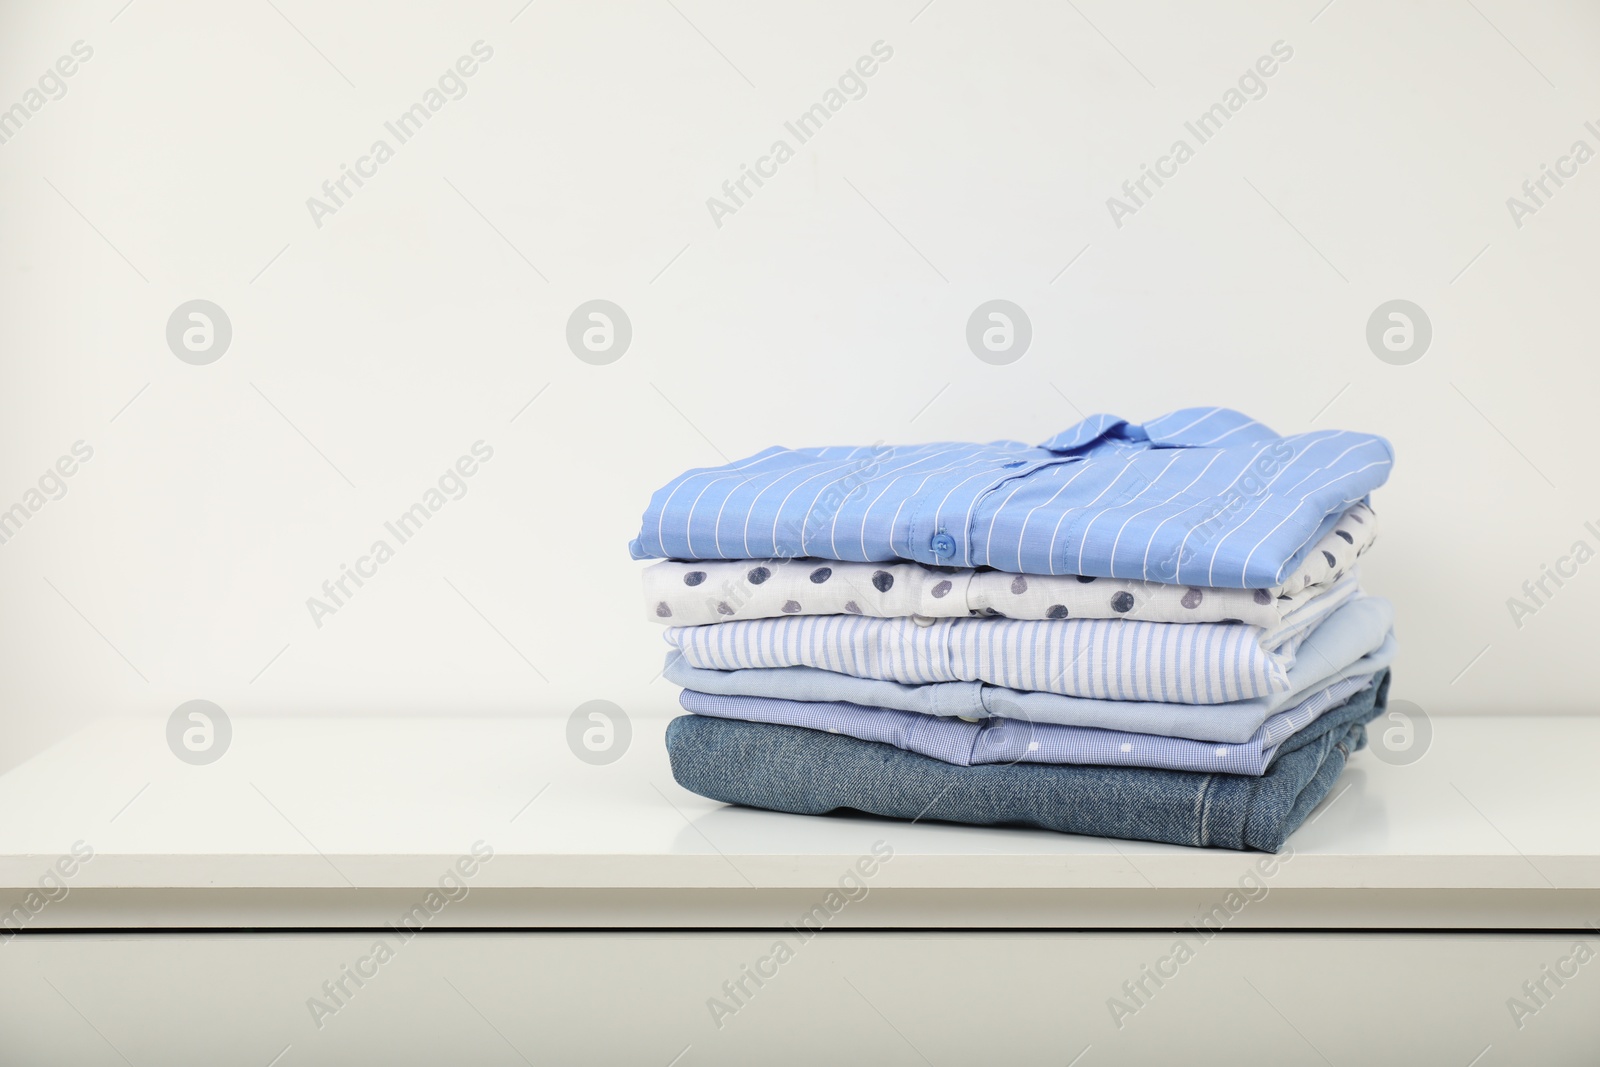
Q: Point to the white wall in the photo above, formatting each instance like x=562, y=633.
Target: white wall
x=372, y=351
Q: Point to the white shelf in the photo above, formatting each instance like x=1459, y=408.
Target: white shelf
x=337, y=821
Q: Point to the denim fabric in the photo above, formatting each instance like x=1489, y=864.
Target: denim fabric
x=808, y=772
x=1354, y=640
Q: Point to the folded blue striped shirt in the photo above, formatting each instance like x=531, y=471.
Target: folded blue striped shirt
x=1356, y=639
x=1012, y=740
x=1202, y=496
x=1104, y=659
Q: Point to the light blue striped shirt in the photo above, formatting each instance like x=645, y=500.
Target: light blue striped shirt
x=1103, y=659
x=1202, y=496
x=1355, y=639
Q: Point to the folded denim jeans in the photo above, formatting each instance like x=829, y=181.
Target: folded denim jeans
x=810, y=772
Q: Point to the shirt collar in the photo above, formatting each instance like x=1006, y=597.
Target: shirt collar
x=1186, y=428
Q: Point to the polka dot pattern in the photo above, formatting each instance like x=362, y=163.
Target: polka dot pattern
x=882, y=581
x=1019, y=585
x=1262, y=597
x=694, y=578
x=942, y=589
x=791, y=607
x=852, y=607
x=1122, y=602
x=1085, y=578
x=723, y=608
x=820, y=575
x=663, y=611
x=758, y=575
x=1192, y=598
x=1056, y=611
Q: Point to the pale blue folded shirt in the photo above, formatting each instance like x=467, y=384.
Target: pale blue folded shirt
x=971, y=744
x=1355, y=640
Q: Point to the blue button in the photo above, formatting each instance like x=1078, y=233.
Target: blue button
x=943, y=545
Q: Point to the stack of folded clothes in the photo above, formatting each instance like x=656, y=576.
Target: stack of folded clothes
x=1151, y=632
